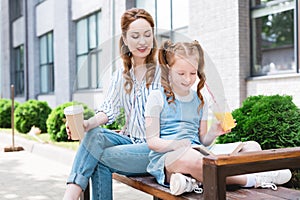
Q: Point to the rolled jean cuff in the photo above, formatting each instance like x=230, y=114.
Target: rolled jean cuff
x=78, y=179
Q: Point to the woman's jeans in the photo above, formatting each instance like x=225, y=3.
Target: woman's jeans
x=103, y=152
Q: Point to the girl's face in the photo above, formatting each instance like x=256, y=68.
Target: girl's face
x=139, y=39
x=183, y=74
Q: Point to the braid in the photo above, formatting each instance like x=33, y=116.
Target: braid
x=165, y=70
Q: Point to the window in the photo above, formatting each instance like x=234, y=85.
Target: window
x=88, y=53
x=171, y=17
x=46, y=64
x=274, y=49
x=19, y=70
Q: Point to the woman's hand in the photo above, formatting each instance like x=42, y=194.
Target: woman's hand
x=69, y=133
x=68, y=130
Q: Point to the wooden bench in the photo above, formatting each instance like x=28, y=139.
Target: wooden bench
x=216, y=169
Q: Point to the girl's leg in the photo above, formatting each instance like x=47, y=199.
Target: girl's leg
x=87, y=158
x=251, y=146
x=184, y=161
x=131, y=159
x=187, y=162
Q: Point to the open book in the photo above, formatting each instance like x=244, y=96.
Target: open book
x=218, y=149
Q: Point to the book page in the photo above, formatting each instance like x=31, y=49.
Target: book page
x=227, y=148
x=218, y=149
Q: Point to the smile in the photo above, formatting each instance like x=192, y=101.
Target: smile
x=142, y=50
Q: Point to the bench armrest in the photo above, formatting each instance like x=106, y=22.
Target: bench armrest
x=216, y=169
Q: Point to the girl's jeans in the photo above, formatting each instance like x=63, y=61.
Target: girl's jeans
x=103, y=152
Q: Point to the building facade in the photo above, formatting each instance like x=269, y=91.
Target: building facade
x=61, y=51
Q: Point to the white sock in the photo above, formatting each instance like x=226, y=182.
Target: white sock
x=251, y=181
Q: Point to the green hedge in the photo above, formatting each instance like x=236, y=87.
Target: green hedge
x=56, y=121
x=272, y=121
x=118, y=123
x=5, y=112
x=31, y=113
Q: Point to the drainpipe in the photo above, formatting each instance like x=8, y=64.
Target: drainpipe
x=26, y=67
x=113, y=34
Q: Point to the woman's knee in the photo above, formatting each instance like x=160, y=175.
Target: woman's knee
x=93, y=136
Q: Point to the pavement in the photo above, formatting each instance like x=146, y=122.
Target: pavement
x=40, y=172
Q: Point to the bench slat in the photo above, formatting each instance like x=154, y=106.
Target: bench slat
x=257, y=194
x=148, y=185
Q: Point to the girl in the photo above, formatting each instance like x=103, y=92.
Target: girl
x=176, y=117
x=103, y=151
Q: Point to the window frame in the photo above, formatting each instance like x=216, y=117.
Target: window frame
x=47, y=64
x=19, y=76
x=165, y=34
x=262, y=10
x=92, y=80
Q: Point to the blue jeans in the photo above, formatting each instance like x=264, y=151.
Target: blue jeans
x=103, y=152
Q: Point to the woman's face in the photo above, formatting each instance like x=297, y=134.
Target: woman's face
x=183, y=74
x=139, y=39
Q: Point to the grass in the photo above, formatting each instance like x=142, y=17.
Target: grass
x=43, y=138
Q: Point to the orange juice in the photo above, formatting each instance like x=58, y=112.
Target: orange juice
x=226, y=120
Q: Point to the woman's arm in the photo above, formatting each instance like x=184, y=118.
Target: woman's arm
x=99, y=119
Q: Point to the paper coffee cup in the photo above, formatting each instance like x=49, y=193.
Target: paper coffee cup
x=74, y=115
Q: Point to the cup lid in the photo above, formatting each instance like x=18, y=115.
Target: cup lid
x=72, y=110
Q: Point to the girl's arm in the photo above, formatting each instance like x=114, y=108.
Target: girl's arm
x=207, y=137
x=153, y=109
x=158, y=144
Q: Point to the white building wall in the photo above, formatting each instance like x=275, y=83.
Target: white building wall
x=18, y=32
x=223, y=30
x=218, y=34
x=5, y=50
x=277, y=84
x=45, y=13
x=82, y=8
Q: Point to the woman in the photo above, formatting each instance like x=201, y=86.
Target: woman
x=103, y=151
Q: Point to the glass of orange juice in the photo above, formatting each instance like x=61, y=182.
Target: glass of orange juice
x=226, y=120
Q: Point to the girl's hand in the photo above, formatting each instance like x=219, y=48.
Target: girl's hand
x=181, y=143
x=218, y=130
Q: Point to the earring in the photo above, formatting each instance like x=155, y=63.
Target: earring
x=125, y=50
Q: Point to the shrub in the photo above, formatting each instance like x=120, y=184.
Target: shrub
x=5, y=112
x=31, y=113
x=118, y=123
x=56, y=121
x=272, y=121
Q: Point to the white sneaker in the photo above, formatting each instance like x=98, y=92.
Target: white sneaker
x=272, y=178
x=180, y=183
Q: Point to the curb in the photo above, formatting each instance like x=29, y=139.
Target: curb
x=59, y=154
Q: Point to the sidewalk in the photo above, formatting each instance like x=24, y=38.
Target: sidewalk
x=40, y=172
